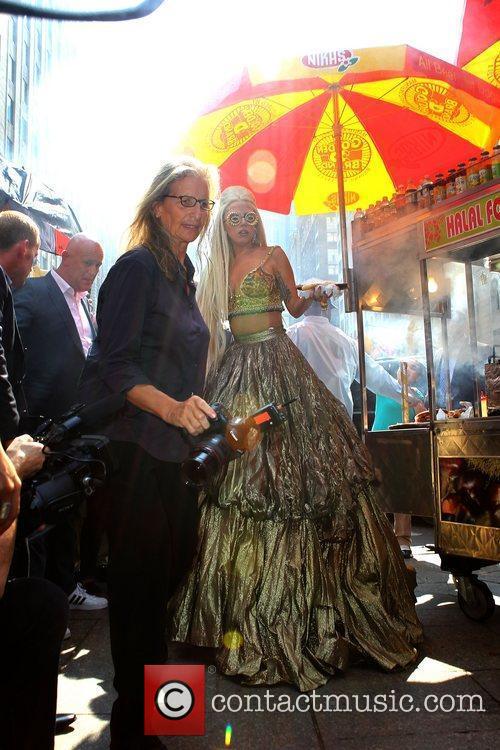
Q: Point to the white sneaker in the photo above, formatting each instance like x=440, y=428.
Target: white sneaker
x=81, y=599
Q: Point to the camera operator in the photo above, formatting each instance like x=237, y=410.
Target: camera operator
x=33, y=617
x=33, y=612
x=152, y=345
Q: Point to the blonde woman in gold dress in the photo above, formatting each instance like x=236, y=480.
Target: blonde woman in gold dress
x=297, y=569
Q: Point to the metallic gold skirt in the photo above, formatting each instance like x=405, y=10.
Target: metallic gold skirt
x=297, y=569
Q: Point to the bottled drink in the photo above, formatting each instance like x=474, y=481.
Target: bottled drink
x=245, y=434
x=384, y=209
x=495, y=161
x=472, y=173
x=485, y=173
x=424, y=193
x=400, y=201
x=392, y=207
x=461, y=179
x=411, y=198
x=439, y=188
x=358, y=223
x=450, y=183
x=369, y=224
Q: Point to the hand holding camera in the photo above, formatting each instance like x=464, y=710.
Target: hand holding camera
x=192, y=415
x=27, y=455
x=229, y=437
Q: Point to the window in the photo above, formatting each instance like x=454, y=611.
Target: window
x=12, y=68
x=9, y=148
x=11, y=110
x=24, y=134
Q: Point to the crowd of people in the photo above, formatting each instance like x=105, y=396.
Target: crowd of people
x=285, y=548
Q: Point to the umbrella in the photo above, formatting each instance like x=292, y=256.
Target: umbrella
x=344, y=128
x=21, y=191
x=479, y=50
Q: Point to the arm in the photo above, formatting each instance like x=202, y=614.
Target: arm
x=379, y=381
x=6, y=551
x=9, y=416
x=286, y=281
x=121, y=320
x=10, y=488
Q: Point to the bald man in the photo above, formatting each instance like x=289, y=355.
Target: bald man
x=57, y=330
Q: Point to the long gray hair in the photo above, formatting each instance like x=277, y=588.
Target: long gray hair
x=146, y=229
x=213, y=290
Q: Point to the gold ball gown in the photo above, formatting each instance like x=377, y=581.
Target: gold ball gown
x=297, y=569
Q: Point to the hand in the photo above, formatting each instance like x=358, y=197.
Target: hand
x=10, y=489
x=26, y=454
x=191, y=415
x=322, y=292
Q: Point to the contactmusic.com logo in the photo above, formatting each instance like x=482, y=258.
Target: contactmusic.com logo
x=174, y=699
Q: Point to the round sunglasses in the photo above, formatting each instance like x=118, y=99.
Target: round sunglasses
x=234, y=218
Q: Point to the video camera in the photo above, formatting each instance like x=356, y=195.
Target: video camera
x=75, y=466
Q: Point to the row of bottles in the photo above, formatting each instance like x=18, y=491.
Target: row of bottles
x=478, y=171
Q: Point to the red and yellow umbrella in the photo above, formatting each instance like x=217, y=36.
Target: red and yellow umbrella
x=345, y=126
x=479, y=51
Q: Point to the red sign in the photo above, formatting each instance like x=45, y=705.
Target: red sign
x=174, y=699
x=463, y=221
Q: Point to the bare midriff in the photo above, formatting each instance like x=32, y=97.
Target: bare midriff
x=242, y=325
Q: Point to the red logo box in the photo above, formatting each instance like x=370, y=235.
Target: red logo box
x=174, y=699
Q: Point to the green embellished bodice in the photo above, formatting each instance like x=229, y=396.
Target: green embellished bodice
x=257, y=293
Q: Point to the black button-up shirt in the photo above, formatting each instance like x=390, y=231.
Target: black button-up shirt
x=150, y=332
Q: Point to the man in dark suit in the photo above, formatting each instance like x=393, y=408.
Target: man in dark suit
x=57, y=330
x=19, y=243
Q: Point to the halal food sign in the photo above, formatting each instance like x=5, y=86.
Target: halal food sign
x=469, y=220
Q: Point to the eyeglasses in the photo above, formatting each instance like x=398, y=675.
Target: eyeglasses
x=251, y=218
x=188, y=201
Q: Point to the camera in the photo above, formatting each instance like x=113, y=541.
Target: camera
x=227, y=438
x=75, y=466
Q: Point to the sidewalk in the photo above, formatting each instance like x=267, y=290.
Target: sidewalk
x=458, y=658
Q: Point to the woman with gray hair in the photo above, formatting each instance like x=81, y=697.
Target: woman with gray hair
x=296, y=567
x=151, y=346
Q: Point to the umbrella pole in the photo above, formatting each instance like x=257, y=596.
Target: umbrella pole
x=337, y=139
x=350, y=303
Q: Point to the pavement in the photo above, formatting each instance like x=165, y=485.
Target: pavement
x=449, y=699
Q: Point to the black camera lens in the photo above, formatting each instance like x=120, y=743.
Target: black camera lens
x=207, y=459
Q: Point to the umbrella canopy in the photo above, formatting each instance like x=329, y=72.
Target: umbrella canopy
x=479, y=51
x=351, y=124
x=20, y=190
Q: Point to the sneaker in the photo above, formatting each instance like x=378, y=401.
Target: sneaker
x=406, y=551
x=81, y=599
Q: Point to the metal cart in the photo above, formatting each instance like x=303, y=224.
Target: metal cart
x=438, y=272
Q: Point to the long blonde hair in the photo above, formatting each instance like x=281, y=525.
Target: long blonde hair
x=146, y=229
x=213, y=290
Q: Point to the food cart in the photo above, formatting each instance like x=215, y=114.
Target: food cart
x=430, y=279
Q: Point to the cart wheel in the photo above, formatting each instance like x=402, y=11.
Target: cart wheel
x=474, y=598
